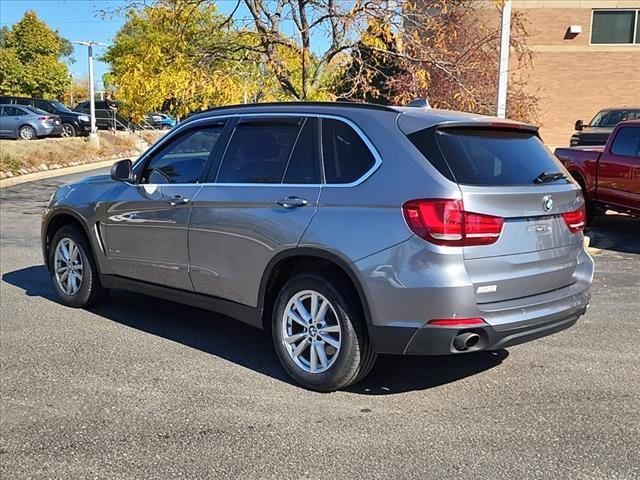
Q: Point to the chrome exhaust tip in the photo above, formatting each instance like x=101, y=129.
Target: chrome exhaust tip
x=465, y=341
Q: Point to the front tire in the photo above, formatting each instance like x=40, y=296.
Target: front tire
x=319, y=333
x=68, y=130
x=73, y=270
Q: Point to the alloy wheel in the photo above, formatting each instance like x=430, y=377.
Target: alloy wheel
x=26, y=133
x=68, y=266
x=311, y=331
x=67, y=131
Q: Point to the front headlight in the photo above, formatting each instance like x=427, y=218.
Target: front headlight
x=84, y=118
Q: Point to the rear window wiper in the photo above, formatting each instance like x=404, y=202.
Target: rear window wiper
x=545, y=177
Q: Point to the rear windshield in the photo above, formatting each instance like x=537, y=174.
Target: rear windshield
x=486, y=156
x=36, y=110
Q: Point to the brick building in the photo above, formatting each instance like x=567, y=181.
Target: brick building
x=587, y=57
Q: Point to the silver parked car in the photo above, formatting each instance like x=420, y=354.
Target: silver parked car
x=27, y=123
x=347, y=230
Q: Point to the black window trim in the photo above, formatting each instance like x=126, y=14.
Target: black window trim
x=146, y=158
x=635, y=41
x=231, y=127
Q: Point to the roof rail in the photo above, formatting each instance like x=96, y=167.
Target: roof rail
x=304, y=104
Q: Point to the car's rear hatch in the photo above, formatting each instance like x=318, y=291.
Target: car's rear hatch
x=498, y=169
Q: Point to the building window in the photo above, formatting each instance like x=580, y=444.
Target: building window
x=615, y=27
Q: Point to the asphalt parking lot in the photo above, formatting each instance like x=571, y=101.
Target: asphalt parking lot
x=144, y=388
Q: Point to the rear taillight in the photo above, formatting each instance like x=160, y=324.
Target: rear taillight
x=575, y=220
x=43, y=118
x=445, y=222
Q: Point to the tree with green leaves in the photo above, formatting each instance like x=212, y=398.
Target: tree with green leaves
x=373, y=67
x=32, y=59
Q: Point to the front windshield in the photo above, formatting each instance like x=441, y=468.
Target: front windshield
x=61, y=107
x=610, y=118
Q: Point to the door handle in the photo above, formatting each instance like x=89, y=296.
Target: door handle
x=178, y=200
x=292, y=202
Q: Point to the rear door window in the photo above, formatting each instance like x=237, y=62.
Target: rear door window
x=345, y=154
x=13, y=112
x=627, y=142
x=259, y=150
x=486, y=156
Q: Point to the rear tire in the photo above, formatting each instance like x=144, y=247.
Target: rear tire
x=73, y=270
x=26, y=133
x=327, y=351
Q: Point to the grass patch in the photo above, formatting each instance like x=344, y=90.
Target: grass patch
x=18, y=156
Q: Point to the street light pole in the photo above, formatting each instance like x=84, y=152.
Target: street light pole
x=503, y=76
x=92, y=94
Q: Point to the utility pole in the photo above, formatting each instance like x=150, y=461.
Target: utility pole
x=503, y=75
x=92, y=100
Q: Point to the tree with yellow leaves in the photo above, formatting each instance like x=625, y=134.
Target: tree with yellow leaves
x=160, y=58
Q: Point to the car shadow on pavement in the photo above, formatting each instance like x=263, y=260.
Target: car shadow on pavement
x=247, y=346
x=615, y=232
x=396, y=374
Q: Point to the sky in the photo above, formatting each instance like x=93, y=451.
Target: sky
x=77, y=20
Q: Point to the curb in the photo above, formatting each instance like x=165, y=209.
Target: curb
x=58, y=172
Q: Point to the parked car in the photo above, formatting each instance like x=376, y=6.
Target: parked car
x=27, y=123
x=347, y=230
x=610, y=175
x=601, y=126
x=160, y=120
x=106, y=118
x=73, y=123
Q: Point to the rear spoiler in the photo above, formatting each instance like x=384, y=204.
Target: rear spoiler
x=411, y=124
x=498, y=124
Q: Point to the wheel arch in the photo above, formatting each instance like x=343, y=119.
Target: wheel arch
x=56, y=221
x=35, y=131
x=580, y=178
x=298, y=260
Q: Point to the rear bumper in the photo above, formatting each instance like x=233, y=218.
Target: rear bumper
x=47, y=131
x=83, y=128
x=406, y=287
x=431, y=340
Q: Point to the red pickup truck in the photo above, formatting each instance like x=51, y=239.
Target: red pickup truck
x=609, y=175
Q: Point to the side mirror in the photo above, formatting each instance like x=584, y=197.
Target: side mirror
x=122, y=171
x=579, y=125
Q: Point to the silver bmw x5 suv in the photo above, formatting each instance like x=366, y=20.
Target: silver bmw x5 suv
x=346, y=230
